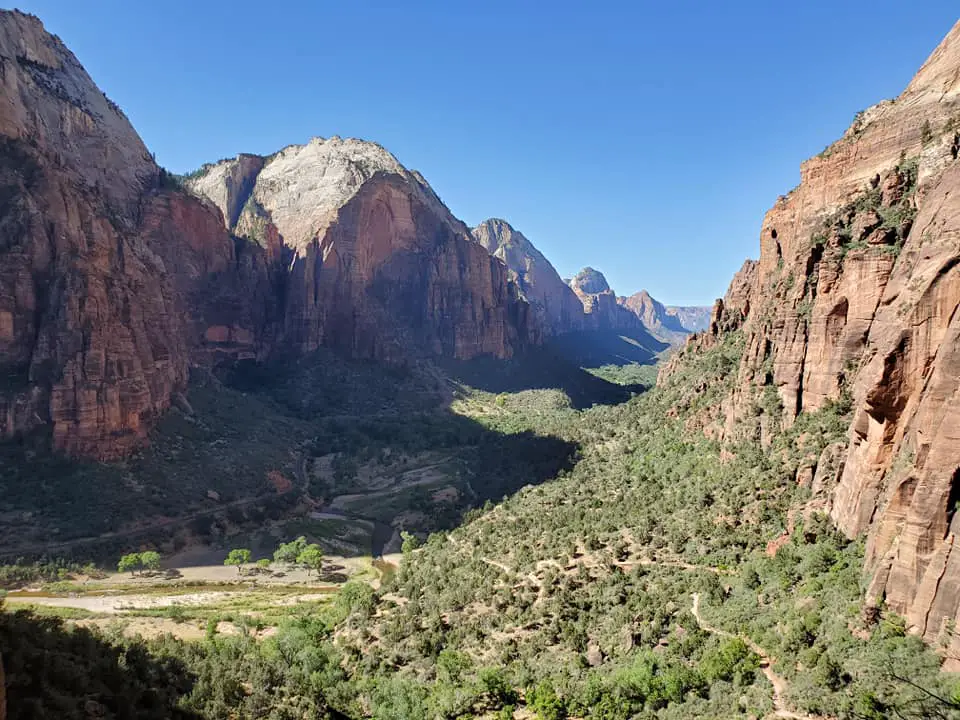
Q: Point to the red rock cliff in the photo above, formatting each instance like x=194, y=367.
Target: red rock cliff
x=857, y=290
x=102, y=266
x=376, y=264
x=557, y=307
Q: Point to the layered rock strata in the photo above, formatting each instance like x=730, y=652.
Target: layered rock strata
x=856, y=294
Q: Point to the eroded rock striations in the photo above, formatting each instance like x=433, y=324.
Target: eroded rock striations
x=114, y=280
x=558, y=307
x=856, y=293
x=375, y=263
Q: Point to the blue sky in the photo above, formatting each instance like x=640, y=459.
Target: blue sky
x=646, y=139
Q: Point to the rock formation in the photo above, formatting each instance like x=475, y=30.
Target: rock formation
x=856, y=293
x=670, y=324
x=375, y=264
x=601, y=305
x=114, y=280
x=93, y=327
x=555, y=303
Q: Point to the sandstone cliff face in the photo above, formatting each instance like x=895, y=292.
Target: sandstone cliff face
x=555, y=303
x=84, y=346
x=857, y=291
x=374, y=263
x=97, y=257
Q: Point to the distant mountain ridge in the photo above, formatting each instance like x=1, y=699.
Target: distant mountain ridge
x=585, y=302
x=672, y=324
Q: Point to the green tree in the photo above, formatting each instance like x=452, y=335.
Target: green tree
x=289, y=552
x=493, y=682
x=129, y=563
x=545, y=702
x=311, y=557
x=238, y=557
x=150, y=560
x=410, y=542
x=451, y=665
x=731, y=660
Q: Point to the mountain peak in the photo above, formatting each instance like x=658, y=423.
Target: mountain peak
x=499, y=237
x=590, y=281
x=940, y=74
x=300, y=188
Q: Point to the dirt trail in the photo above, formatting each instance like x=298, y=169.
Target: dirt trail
x=123, y=603
x=496, y=564
x=779, y=683
x=676, y=564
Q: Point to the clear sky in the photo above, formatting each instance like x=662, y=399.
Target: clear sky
x=646, y=139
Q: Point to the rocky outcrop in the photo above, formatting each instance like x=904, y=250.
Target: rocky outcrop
x=856, y=293
x=600, y=303
x=555, y=303
x=374, y=262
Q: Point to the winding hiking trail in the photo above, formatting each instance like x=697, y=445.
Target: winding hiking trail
x=779, y=684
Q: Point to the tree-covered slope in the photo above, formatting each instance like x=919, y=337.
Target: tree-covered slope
x=665, y=575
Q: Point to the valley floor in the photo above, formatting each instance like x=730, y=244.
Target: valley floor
x=184, y=601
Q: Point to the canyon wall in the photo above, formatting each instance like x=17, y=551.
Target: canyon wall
x=375, y=264
x=855, y=296
x=555, y=303
x=97, y=257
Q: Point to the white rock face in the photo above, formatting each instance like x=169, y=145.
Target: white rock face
x=301, y=188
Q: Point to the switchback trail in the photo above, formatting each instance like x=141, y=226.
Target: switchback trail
x=779, y=684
